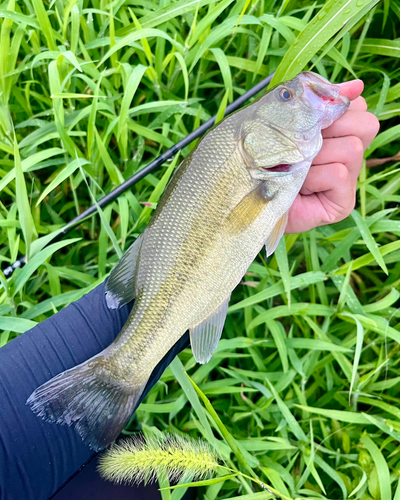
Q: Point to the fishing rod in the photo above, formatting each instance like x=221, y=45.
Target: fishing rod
x=110, y=197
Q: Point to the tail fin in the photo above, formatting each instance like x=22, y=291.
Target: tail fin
x=88, y=398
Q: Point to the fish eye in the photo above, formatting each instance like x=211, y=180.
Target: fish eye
x=285, y=95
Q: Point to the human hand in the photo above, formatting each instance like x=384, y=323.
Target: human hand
x=328, y=193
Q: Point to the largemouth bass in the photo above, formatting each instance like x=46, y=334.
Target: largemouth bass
x=228, y=198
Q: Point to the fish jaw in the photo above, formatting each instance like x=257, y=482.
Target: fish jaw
x=282, y=177
x=291, y=116
x=319, y=93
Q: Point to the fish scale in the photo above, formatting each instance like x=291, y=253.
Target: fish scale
x=223, y=204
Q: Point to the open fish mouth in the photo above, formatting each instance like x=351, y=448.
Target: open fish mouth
x=279, y=170
x=320, y=94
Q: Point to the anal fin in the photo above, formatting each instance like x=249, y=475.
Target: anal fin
x=204, y=337
x=120, y=287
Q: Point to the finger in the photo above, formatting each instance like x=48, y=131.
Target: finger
x=364, y=125
x=347, y=150
x=333, y=178
x=304, y=214
x=332, y=187
x=352, y=89
x=327, y=196
x=359, y=104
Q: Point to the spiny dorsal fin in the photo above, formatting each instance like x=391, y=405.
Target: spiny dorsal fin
x=276, y=234
x=120, y=287
x=204, y=337
x=248, y=209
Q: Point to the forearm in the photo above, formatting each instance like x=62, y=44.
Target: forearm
x=38, y=457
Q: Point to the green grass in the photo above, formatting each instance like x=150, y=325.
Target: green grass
x=304, y=394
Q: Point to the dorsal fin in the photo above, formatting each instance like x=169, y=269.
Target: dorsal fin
x=120, y=287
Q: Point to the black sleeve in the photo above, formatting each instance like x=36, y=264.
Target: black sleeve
x=37, y=457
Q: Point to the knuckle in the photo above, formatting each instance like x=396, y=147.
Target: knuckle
x=341, y=173
x=355, y=146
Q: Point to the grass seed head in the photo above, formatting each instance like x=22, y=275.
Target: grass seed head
x=140, y=459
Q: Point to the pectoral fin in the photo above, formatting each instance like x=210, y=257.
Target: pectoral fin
x=276, y=234
x=120, y=287
x=248, y=209
x=204, y=337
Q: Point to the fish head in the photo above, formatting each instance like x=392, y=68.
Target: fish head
x=308, y=102
x=287, y=122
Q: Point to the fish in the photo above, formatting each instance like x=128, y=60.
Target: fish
x=229, y=198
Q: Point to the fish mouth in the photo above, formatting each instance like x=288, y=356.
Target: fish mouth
x=320, y=94
x=279, y=170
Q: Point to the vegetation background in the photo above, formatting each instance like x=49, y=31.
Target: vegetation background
x=306, y=380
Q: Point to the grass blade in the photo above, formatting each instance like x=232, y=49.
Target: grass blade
x=64, y=174
x=36, y=261
x=381, y=466
x=231, y=441
x=22, y=200
x=282, y=259
x=369, y=240
x=330, y=19
x=18, y=325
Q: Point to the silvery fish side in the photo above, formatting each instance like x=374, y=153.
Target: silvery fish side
x=228, y=198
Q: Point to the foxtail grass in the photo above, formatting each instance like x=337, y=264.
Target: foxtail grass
x=168, y=456
x=143, y=459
